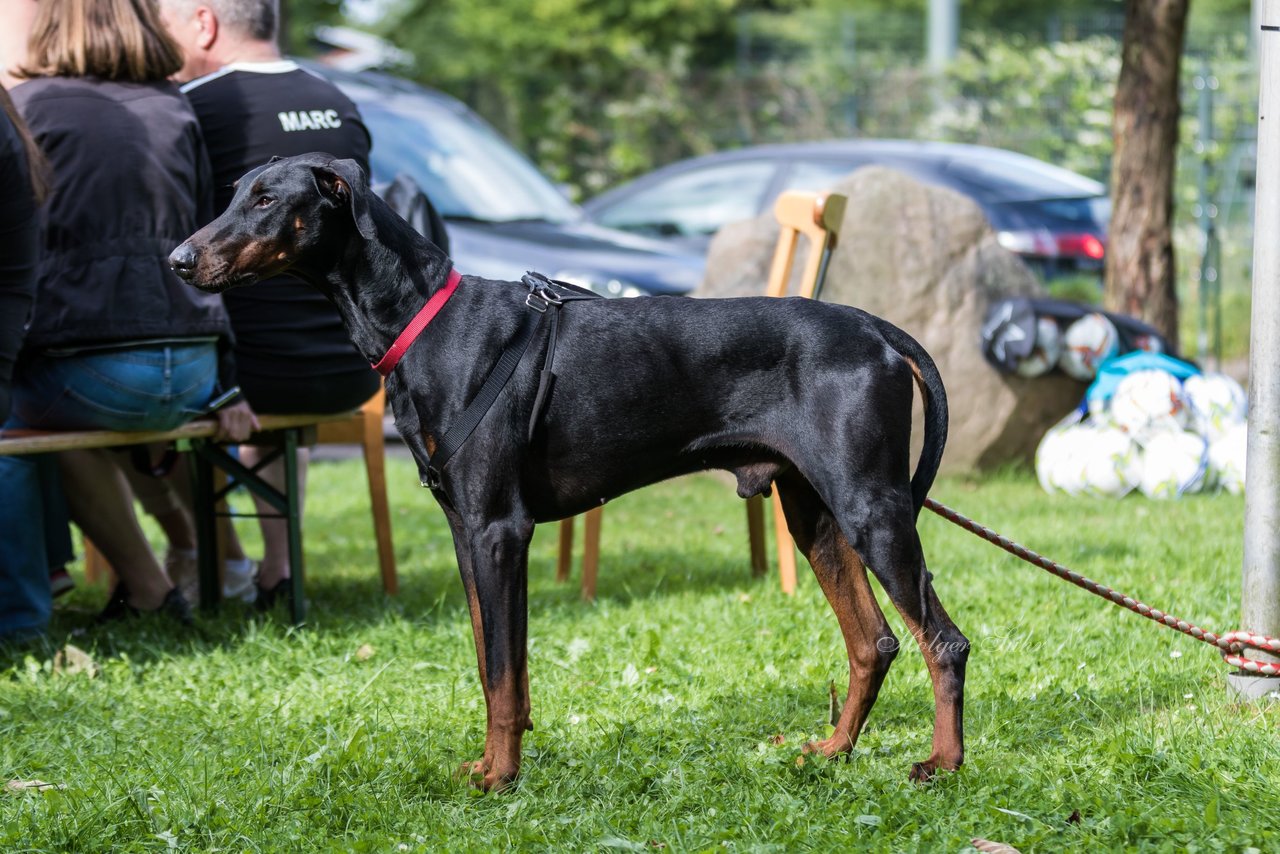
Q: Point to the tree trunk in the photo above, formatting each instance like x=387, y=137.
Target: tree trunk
x=1139, y=268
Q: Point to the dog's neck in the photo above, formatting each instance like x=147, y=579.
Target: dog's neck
x=405, y=278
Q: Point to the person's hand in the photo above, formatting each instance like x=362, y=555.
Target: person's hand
x=235, y=422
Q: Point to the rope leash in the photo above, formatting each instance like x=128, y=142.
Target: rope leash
x=1230, y=644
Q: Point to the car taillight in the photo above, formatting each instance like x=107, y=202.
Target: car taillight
x=1087, y=245
x=1037, y=242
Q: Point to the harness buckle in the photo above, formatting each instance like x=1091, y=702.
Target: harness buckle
x=432, y=480
x=548, y=294
x=541, y=303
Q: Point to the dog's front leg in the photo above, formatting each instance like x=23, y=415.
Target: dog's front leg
x=495, y=575
x=462, y=547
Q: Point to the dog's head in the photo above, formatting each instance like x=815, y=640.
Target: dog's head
x=283, y=214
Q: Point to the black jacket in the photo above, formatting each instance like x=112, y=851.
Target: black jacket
x=19, y=250
x=249, y=112
x=131, y=180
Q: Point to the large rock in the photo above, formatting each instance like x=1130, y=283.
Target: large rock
x=926, y=259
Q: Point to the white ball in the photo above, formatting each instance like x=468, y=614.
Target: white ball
x=1067, y=468
x=1088, y=343
x=1055, y=451
x=1173, y=463
x=1150, y=399
x=1046, y=351
x=1217, y=402
x=1227, y=457
x=1047, y=454
x=1112, y=463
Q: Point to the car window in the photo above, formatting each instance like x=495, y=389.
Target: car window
x=1004, y=176
x=464, y=167
x=816, y=175
x=697, y=202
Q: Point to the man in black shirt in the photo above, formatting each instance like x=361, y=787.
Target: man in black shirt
x=292, y=351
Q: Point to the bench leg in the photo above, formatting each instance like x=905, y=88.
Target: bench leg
x=755, y=535
x=293, y=518
x=565, y=560
x=206, y=524
x=591, y=552
x=786, y=548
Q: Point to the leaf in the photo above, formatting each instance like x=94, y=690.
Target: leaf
x=72, y=660
x=869, y=820
x=621, y=844
x=365, y=652
x=1211, y=812
x=31, y=785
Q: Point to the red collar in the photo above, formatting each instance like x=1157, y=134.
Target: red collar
x=411, y=332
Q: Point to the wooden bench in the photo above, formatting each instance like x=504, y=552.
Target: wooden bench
x=283, y=433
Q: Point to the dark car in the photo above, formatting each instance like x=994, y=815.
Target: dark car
x=503, y=217
x=1053, y=218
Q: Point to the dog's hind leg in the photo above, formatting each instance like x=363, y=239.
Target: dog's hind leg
x=870, y=643
x=494, y=565
x=892, y=551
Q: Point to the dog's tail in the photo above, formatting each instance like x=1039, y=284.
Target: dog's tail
x=935, y=408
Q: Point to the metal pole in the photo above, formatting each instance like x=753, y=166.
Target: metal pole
x=1206, y=276
x=1260, y=598
x=944, y=22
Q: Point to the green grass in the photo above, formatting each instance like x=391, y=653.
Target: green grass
x=658, y=708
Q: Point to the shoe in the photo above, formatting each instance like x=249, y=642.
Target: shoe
x=239, y=580
x=175, y=606
x=118, y=606
x=60, y=581
x=181, y=567
x=267, y=597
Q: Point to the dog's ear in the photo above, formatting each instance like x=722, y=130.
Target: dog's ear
x=344, y=182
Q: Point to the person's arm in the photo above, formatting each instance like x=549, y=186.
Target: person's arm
x=19, y=253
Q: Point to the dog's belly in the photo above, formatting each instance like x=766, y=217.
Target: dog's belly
x=572, y=486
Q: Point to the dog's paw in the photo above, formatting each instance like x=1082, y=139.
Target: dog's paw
x=837, y=745
x=471, y=772
x=928, y=770
x=480, y=776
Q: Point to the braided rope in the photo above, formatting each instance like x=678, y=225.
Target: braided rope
x=1230, y=644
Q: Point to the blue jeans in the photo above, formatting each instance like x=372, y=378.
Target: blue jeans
x=145, y=388
x=142, y=388
x=33, y=537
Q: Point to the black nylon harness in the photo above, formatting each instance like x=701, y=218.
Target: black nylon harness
x=545, y=298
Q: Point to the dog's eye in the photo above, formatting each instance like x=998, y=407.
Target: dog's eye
x=264, y=201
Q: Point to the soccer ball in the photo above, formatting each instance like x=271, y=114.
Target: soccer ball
x=1173, y=463
x=1046, y=352
x=1056, y=458
x=1088, y=343
x=1112, y=463
x=1150, y=399
x=1227, y=456
x=1217, y=402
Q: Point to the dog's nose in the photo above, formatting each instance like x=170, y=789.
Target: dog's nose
x=183, y=261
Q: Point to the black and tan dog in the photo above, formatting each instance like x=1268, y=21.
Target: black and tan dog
x=812, y=397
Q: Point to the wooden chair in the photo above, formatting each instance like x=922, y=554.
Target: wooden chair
x=364, y=428
x=816, y=216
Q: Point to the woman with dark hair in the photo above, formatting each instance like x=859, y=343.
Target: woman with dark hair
x=116, y=341
x=25, y=555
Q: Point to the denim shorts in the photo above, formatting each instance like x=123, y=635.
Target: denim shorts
x=155, y=387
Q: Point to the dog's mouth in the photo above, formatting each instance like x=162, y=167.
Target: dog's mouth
x=224, y=283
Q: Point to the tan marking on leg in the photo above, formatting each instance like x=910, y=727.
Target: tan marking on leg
x=869, y=642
